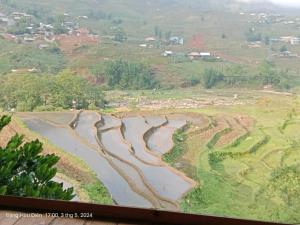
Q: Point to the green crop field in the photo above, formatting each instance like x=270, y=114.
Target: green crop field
x=239, y=180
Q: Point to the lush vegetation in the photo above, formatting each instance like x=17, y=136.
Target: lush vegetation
x=25, y=172
x=127, y=75
x=253, y=36
x=28, y=92
x=21, y=57
x=253, y=175
x=178, y=139
x=211, y=77
x=98, y=193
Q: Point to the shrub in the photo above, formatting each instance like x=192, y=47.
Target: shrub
x=25, y=172
x=211, y=77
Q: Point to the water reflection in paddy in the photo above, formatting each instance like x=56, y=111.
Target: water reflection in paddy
x=134, y=130
x=117, y=185
x=132, y=174
x=161, y=178
x=85, y=127
x=161, y=141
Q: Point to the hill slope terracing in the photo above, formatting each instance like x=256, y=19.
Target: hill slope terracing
x=116, y=150
x=64, y=137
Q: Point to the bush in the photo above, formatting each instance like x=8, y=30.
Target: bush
x=25, y=172
x=179, y=139
x=128, y=75
x=45, y=108
x=211, y=77
x=252, y=36
x=44, y=92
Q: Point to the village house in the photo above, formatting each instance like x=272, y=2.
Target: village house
x=29, y=39
x=194, y=55
x=254, y=45
x=81, y=32
x=288, y=54
x=176, y=40
x=167, y=53
x=20, y=15
x=198, y=55
x=17, y=18
x=4, y=20
x=150, y=39
x=268, y=87
x=82, y=17
x=289, y=22
x=290, y=40
x=205, y=54
x=295, y=41
x=9, y=37
x=43, y=46
x=274, y=40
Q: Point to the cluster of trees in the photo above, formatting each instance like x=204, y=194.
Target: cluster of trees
x=159, y=33
x=285, y=183
x=25, y=172
x=20, y=27
x=284, y=186
x=120, y=35
x=99, y=15
x=253, y=36
x=211, y=77
x=267, y=74
x=129, y=75
x=29, y=92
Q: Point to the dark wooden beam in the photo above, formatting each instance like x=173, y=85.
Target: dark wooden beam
x=118, y=213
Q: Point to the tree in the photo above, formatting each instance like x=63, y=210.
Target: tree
x=19, y=28
x=29, y=92
x=156, y=31
x=120, y=35
x=128, y=75
x=267, y=40
x=160, y=34
x=252, y=36
x=25, y=172
x=69, y=87
x=211, y=77
x=168, y=35
x=267, y=72
x=59, y=28
x=283, y=48
x=285, y=183
x=98, y=72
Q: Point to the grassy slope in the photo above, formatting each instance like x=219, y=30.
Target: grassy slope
x=236, y=187
x=194, y=18
x=14, y=56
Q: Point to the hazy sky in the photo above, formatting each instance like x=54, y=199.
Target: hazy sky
x=281, y=2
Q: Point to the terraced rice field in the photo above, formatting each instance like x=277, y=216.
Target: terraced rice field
x=232, y=161
x=118, y=152
x=236, y=157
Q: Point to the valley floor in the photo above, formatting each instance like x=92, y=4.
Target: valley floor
x=238, y=160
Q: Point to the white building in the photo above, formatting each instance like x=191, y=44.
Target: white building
x=167, y=53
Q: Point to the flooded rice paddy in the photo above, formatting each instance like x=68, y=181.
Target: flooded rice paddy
x=125, y=153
